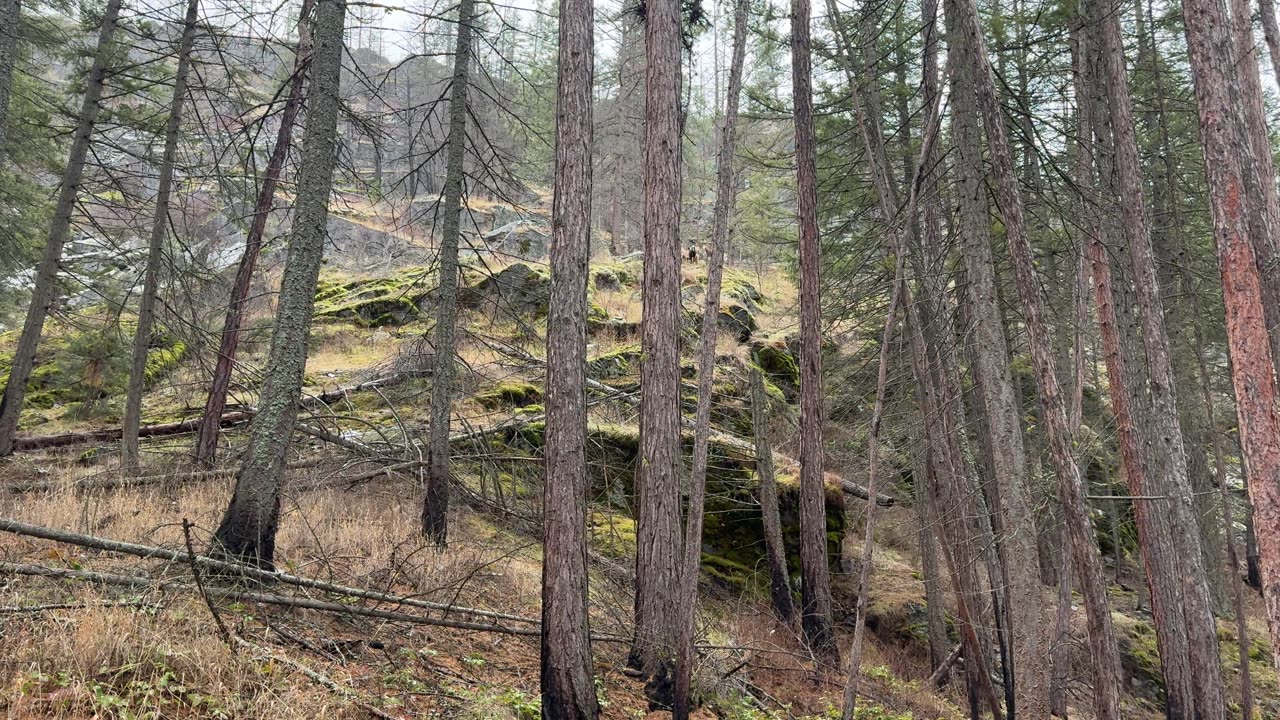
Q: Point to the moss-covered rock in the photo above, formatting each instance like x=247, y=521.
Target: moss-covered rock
x=777, y=358
x=518, y=289
x=375, y=302
x=1139, y=656
x=738, y=319
x=510, y=393
x=86, y=363
x=615, y=275
x=733, y=532
x=619, y=362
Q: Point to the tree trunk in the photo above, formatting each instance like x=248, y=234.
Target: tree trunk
x=248, y=528
x=1258, y=167
x=207, y=441
x=1004, y=421
x=816, y=607
x=435, y=502
x=849, y=705
x=933, y=168
x=1228, y=527
x=726, y=195
x=1267, y=12
x=1178, y=576
x=1252, y=561
x=155, y=249
x=1232, y=171
x=775, y=551
x=568, y=679
x=658, y=529
x=1106, y=666
x=1172, y=243
x=45, y=292
x=935, y=613
x=10, y=17
x=952, y=513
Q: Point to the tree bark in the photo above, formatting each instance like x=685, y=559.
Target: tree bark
x=1252, y=561
x=1103, y=649
x=1267, y=12
x=1228, y=528
x=435, y=502
x=658, y=528
x=155, y=248
x=568, y=679
x=1177, y=576
x=775, y=551
x=1232, y=171
x=248, y=528
x=726, y=195
x=10, y=17
x=206, y=448
x=816, y=607
x=996, y=392
x=45, y=292
x=1259, y=172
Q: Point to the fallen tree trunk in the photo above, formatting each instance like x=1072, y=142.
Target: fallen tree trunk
x=49, y=442
x=158, y=553
x=287, y=601
x=231, y=419
x=860, y=491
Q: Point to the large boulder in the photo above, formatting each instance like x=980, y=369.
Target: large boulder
x=519, y=239
x=518, y=290
x=733, y=534
x=737, y=319
x=376, y=302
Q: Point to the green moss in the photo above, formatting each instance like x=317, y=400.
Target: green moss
x=163, y=358
x=1139, y=655
x=606, y=276
x=514, y=393
x=616, y=363
x=726, y=570
x=86, y=363
x=613, y=534
x=775, y=358
x=374, y=302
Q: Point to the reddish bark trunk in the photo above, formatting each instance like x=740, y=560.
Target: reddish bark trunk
x=816, y=604
x=206, y=448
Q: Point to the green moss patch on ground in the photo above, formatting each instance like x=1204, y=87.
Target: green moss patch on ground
x=376, y=302
x=82, y=367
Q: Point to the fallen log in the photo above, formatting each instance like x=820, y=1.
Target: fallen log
x=859, y=491
x=49, y=442
x=123, y=481
x=231, y=419
x=290, y=601
x=246, y=571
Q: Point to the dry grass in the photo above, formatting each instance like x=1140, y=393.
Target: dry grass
x=125, y=662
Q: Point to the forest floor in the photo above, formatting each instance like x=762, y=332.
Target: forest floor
x=163, y=648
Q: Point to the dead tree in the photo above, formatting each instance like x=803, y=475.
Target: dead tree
x=435, y=502
x=155, y=248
